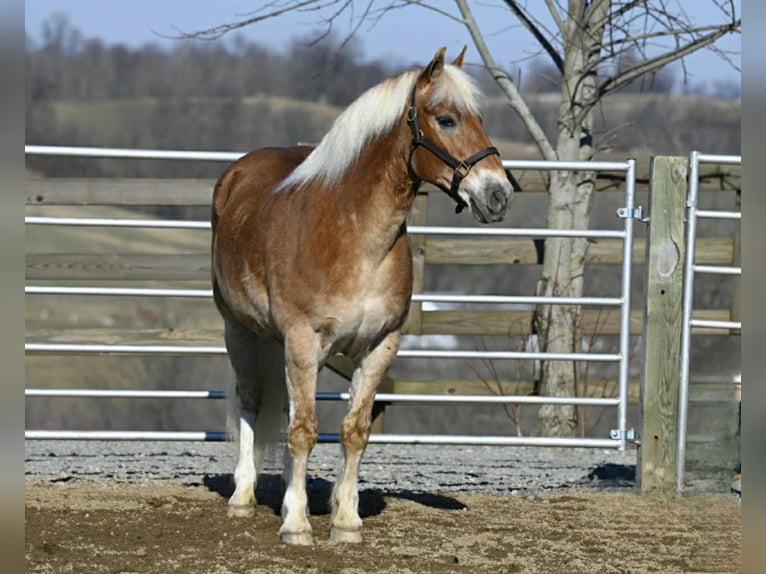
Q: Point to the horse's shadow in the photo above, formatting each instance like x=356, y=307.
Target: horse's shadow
x=372, y=501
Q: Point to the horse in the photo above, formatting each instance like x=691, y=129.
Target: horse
x=310, y=258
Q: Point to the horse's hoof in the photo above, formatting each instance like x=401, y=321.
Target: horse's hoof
x=237, y=511
x=298, y=538
x=344, y=535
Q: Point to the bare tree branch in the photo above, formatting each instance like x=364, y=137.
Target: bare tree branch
x=535, y=31
x=218, y=31
x=555, y=15
x=636, y=38
x=348, y=37
x=624, y=9
x=657, y=62
x=506, y=84
x=426, y=5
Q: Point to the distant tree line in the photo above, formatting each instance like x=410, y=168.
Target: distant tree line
x=64, y=65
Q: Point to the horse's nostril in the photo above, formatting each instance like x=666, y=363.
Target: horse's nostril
x=498, y=201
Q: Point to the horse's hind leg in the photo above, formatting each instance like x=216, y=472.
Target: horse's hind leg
x=301, y=352
x=242, y=502
x=255, y=362
x=354, y=434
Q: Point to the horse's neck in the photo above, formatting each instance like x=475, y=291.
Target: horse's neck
x=379, y=189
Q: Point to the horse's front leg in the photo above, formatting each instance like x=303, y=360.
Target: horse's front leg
x=301, y=368
x=354, y=434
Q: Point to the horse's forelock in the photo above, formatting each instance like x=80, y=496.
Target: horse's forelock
x=458, y=89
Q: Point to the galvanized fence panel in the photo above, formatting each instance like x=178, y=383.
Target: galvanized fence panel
x=618, y=437
x=690, y=270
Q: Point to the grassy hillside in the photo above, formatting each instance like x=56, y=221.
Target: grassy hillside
x=626, y=124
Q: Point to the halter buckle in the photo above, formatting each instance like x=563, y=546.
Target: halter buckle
x=462, y=169
x=412, y=114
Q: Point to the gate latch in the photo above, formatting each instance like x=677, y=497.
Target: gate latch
x=633, y=213
x=628, y=434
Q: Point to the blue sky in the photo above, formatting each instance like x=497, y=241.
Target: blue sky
x=406, y=36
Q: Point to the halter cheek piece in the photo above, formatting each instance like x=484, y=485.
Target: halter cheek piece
x=460, y=168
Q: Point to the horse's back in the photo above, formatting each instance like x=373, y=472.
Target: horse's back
x=253, y=175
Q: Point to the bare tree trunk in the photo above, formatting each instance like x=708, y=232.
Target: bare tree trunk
x=570, y=203
x=556, y=323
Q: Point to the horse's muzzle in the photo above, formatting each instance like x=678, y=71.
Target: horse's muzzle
x=492, y=203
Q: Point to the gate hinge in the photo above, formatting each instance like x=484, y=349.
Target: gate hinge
x=633, y=213
x=629, y=435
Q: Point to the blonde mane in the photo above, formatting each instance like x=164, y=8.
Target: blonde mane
x=373, y=114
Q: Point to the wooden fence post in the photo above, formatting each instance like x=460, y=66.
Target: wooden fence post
x=663, y=285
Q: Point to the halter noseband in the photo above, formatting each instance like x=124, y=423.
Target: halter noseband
x=460, y=168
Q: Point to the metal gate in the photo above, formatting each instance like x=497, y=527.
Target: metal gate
x=690, y=270
x=618, y=437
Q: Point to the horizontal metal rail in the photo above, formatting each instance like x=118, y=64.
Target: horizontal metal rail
x=113, y=222
x=413, y=230
x=201, y=155
x=63, y=348
x=117, y=291
x=417, y=297
x=516, y=232
x=718, y=158
x=718, y=269
x=517, y=299
x=128, y=153
x=501, y=355
x=563, y=165
x=325, y=438
x=712, y=324
x=709, y=214
x=194, y=436
x=325, y=396
x=467, y=440
x=474, y=399
x=123, y=394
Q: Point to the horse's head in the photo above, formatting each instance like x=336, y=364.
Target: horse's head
x=449, y=147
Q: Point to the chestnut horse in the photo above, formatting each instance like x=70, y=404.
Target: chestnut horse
x=310, y=258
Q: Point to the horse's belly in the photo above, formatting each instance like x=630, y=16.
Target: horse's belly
x=362, y=330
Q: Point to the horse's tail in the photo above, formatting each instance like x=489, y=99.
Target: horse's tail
x=259, y=367
x=271, y=420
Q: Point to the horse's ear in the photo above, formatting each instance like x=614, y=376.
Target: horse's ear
x=459, y=60
x=434, y=69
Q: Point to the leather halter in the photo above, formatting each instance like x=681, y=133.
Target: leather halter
x=461, y=168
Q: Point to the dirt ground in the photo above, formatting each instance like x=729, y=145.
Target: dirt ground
x=167, y=527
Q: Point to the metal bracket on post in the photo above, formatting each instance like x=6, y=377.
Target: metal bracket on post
x=629, y=435
x=633, y=213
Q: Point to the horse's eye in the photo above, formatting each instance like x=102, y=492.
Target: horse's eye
x=446, y=121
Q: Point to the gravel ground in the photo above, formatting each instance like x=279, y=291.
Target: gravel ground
x=416, y=468
x=425, y=468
